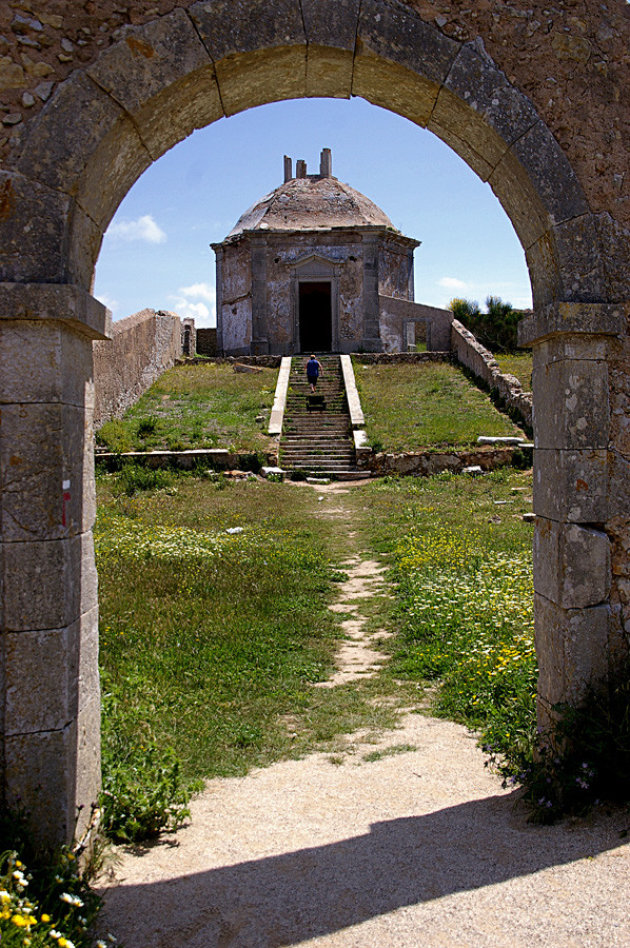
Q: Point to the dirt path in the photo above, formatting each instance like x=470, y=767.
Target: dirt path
x=408, y=842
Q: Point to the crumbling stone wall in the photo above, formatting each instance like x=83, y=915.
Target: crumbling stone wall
x=142, y=347
x=478, y=360
x=532, y=95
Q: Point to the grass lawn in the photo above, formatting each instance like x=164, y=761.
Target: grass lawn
x=211, y=640
x=518, y=364
x=197, y=406
x=461, y=572
x=431, y=405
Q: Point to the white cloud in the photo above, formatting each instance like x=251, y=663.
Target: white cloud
x=191, y=301
x=144, y=228
x=452, y=283
x=203, y=290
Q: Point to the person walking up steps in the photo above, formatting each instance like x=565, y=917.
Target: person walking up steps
x=313, y=371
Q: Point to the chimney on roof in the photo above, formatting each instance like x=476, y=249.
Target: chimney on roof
x=300, y=169
x=288, y=168
x=325, y=163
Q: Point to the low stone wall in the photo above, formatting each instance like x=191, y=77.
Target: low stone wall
x=425, y=463
x=395, y=358
x=478, y=360
x=403, y=321
x=142, y=347
x=264, y=361
x=215, y=459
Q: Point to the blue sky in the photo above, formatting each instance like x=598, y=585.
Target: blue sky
x=156, y=251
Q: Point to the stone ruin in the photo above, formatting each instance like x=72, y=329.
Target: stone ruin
x=534, y=97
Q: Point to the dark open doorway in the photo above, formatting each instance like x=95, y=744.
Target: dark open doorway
x=315, y=317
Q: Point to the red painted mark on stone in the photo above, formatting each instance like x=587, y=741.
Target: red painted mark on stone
x=581, y=485
x=66, y=498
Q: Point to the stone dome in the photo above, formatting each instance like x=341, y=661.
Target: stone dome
x=311, y=203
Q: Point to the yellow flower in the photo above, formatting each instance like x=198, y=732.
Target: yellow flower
x=20, y=921
x=45, y=918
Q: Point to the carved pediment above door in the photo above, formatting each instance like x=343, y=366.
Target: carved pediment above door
x=315, y=267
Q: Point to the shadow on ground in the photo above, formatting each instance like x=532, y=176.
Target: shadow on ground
x=286, y=899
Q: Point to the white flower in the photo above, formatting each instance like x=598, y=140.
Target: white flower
x=71, y=899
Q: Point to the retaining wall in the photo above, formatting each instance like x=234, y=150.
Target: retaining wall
x=426, y=463
x=142, y=347
x=478, y=360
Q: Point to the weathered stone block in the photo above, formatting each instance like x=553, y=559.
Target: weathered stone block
x=162, y=75
x=478, y=104
x=580, y=260
x=513, y=186
x=41, y=675
x=331, y=23
x=394, y=33
x=69, y=305
x=62, y=371
x=571, y=564
x=548, y=168
x=40, y=777
x=190, y=103
x=48, y=584
x=619, y=488
x=400, y=60
x=46, y=456
x=543, y=271
x=571, y=485
x=250, y=79
x=571, y=408
x=88, y=771
x=148, y=59
x=243, y=26
x=109, y=174
x=67, y=133
x=85, y=241
x=577, y=319
x=33, y=231
x=328, y=72
x=572, y=649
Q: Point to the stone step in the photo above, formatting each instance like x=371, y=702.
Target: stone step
x=317, y=434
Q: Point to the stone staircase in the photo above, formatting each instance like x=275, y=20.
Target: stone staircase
x=317, y=434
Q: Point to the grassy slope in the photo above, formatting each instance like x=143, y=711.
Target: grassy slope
x=518, y=364
x=409, y=407
x=197, y=406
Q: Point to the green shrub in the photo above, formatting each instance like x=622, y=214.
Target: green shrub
x=135, y=477
x=115, y=436
x=143, y=792
x=583, y=760
x=496, y=329
x=147, y=426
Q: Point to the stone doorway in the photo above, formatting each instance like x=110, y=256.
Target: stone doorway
x=478, y=80
x=315, y=316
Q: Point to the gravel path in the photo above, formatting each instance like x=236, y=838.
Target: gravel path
x=407, y=843
x=418, y=848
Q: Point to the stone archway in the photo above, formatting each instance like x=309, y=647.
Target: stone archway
x=65, y=172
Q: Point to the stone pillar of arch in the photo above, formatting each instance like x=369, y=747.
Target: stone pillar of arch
x=66, y=172
x=49, y=683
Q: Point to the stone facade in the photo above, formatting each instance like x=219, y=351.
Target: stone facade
x=303, y=268
x=533, y=96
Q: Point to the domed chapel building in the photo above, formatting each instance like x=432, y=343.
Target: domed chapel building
x=309, y=268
